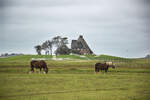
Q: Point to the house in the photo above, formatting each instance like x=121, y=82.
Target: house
x=80, y=47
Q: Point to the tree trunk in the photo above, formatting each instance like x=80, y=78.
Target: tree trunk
x=51, y=51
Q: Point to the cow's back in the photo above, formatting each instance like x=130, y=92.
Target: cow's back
x=35, y=63
x=43, y=63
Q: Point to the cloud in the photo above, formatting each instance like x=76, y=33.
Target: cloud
x=110, y=27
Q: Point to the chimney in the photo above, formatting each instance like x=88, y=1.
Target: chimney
x=80, y=36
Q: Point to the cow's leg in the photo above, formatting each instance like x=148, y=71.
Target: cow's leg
x=32, y=70
x=40, y=70
x=96, y=70
x=99, y=71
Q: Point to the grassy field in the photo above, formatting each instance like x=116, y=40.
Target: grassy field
x=74, y=79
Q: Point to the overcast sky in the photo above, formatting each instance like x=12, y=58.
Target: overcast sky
x=113, y=27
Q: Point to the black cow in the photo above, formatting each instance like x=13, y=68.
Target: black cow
x=39, y=64
x=102, y=66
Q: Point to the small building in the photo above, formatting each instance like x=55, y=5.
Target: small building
x=80, y=47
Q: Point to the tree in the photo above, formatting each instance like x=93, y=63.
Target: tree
x=60, y=42
x=64, y=41
x=38, y=49
x=47, y=46
x=56, y=41
x=63, y=50
x=50, y=45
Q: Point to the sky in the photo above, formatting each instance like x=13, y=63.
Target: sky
x=111, y=27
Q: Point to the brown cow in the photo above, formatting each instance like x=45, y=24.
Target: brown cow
x=39, y=64
x=100, y=66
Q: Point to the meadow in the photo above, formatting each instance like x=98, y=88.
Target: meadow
x=73, y=78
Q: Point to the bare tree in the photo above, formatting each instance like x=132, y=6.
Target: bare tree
x=50, y=45
x=45, y=47
x=38, y=49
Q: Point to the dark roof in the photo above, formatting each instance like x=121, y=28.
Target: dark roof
x=81, y=44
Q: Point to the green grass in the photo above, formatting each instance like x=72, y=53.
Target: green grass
x=75, y=84
x=74, y=80
x=24, y=57
x=73, y=61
